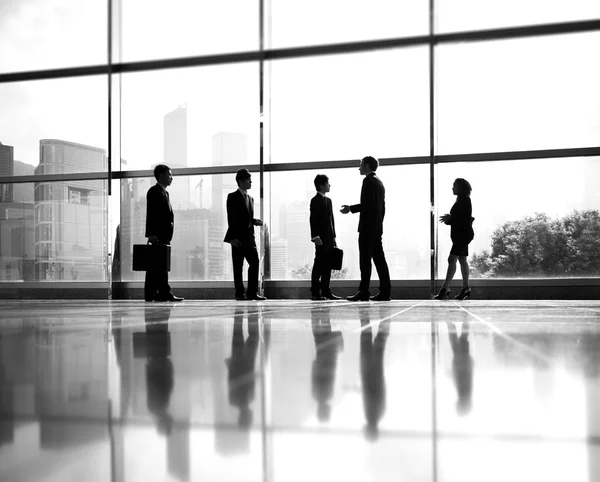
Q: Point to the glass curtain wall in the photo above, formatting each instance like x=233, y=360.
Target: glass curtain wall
x=513, y=112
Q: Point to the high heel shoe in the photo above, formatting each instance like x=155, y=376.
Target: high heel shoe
x=465, y=294
x=444, y=294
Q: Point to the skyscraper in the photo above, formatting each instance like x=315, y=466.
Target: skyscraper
x=228, y=148
x=71, y=241
x=175, y=155
x=7, y=163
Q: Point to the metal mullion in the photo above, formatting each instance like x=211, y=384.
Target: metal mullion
x=310, y=51
x=305, y=166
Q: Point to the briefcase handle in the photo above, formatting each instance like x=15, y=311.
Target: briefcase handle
x=157, y=244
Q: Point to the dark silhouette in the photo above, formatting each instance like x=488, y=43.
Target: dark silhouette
x=240, y=234
x=371, y=372
x=159, y=230
x=462, y=366
x=159, y=367
x=322, y=233
x=370, y=231
x=241, y=379
x=328, y=345
x=461, y=233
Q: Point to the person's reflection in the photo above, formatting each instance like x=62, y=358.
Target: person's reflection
x=462, y=366
x=328, y=344
x=241, y=379
x=371, y=372
x=159, y=368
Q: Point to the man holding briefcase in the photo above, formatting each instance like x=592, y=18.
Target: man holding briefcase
x=322, y=232
x=159, y=230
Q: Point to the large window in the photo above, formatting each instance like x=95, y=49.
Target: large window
x=405, y=231
x=295, y=23
x=533, y=218
x=535, y=93
x=348, y=106
x=45, y=34
x=190, y=117
x=309, y=88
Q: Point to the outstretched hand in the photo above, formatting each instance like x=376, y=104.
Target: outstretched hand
x=258, y=222
x=445, y=218
x=153, y=239
x=345, y=209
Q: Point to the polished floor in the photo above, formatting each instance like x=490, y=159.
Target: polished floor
x=300, y=391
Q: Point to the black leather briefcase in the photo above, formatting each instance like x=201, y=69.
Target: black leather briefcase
x=337, y=256
x=151, y=257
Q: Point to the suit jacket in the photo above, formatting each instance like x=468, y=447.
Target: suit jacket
x=371, y=207
x=159, y=214
x=321, y=220
x=240, y=220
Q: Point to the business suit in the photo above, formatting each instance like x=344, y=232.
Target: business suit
x=322, y=224
x=370, y=230
x=159, y=223
x=240, y=221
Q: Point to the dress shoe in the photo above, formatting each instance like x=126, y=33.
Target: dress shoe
x=241, y=297
x=317, y=298
x=331, y=296
x=257, y=297
x=359, y=296
x=381, y=297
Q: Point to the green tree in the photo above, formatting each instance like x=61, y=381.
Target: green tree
x=540, y=246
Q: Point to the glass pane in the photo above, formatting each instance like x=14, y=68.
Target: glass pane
x=537, y=93
x=190, y=117
x=45, y=34
x=54, y=126
x=199, y=204
x=339, y=107
x=47, y=233
x=310, y=22
x=405, y=232
x=152, y=29
x=534, y=218
x=458, y=15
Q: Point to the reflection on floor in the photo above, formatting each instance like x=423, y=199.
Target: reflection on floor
x=300, y=391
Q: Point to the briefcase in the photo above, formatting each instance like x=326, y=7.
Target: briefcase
x=151, y=257
x=336, y=258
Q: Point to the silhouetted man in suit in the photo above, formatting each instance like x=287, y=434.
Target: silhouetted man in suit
x=322, y=232
x=241, y=379
x=370, y=230
x=240, y=234
x=159, y=230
